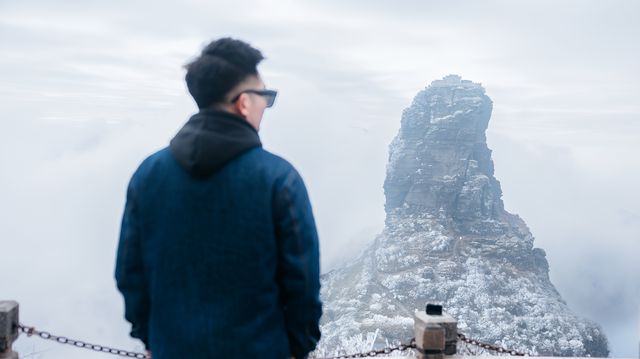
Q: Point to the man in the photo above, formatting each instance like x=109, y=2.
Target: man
x=218, y=254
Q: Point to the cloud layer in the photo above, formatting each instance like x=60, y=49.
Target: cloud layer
x=89, y=89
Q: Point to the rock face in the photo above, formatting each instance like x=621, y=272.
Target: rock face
x=448, y=240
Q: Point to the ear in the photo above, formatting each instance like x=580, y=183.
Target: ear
x=242, y=105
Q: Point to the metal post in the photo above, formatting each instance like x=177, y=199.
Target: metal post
x=8, y=328
x=436, y=333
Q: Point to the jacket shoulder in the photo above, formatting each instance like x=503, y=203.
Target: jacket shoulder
x=264, y=160
x=160, y=158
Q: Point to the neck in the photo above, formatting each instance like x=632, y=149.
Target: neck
x=225, y=107
x=229, y=108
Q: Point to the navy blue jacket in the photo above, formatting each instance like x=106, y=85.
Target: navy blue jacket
x=218, y=254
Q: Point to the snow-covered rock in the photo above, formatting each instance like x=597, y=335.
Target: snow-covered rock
x=449, y=240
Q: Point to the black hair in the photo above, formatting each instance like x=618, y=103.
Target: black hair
x=221, y=66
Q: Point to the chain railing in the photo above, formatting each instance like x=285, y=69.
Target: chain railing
x=412, y=345
x=31, y=331
x=436, y=333
x=489, y=347
x=377, y=352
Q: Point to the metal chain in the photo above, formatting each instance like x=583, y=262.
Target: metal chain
x=491, y=347
x=412, y=345
x=29, y=331
x=374, y=353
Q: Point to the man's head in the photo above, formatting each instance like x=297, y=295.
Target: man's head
x=225, y=77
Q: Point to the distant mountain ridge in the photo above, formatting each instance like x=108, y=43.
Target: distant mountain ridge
x=448, y=239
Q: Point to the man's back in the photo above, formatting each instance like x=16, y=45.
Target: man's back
x=222, y=255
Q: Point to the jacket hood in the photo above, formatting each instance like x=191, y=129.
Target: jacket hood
x=210, y=139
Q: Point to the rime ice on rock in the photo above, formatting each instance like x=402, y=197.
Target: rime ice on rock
x=448, y=239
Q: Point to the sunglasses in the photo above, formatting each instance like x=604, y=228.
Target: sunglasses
x=269, y=95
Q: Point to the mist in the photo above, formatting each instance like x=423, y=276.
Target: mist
x=90, y=89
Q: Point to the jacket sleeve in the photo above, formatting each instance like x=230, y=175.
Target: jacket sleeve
x=298, y=272
x=129, y=272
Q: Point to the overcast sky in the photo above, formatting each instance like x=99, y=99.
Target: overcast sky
x=88, y=89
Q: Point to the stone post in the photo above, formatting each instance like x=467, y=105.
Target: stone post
x=436, y=333
x=8, y=328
